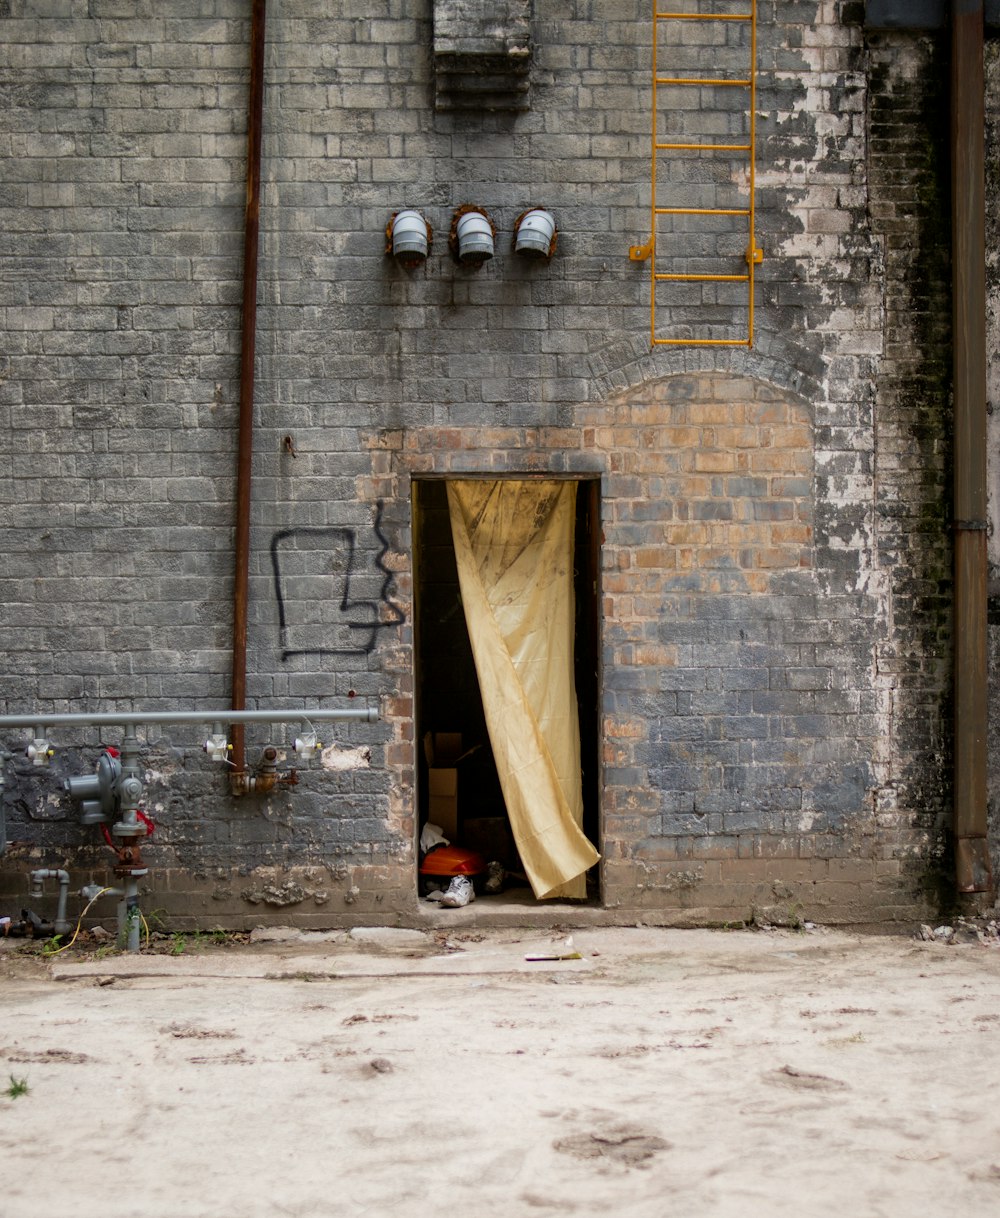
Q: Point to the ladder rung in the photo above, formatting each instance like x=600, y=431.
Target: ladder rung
x=700, y=80
x=702, y=211
x=703, y=278
x=704, y=16
x=664, y=75
x=702, y=342
x=706, y=147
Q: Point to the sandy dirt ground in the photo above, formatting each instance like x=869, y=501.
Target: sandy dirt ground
x=383, y=1073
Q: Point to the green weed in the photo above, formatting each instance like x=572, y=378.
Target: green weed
x=18, y=1087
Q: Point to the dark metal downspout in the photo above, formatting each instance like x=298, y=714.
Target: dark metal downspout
x=241, y=567
x=972, y=859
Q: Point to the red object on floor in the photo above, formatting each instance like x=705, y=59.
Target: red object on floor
x=452, y=860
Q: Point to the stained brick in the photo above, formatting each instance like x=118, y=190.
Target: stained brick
x=787, y=498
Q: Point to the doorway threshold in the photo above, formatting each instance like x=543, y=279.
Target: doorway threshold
x=516, y=907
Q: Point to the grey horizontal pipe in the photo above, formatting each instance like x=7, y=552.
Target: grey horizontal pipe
x=368, y=714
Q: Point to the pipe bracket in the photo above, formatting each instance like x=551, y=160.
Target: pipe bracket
x=972, y=864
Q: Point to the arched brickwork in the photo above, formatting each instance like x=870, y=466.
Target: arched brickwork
x=709, y=486
x=737, y=765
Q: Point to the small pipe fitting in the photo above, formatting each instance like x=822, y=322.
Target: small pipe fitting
x=37, y=890
x=265, y=778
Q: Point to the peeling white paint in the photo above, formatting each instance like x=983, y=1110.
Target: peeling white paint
x=857, y=541
x=337, y=758
x=151, y=776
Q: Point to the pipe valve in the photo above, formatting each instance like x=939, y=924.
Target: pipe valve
x=40, y=751
x=306, y=745
x=218, y=747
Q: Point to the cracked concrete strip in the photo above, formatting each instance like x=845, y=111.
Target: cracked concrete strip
x=391, y=951
x=485, y=959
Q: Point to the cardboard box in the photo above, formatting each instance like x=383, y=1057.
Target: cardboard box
x=443, y=748
x=443, y=751
x=442, y=799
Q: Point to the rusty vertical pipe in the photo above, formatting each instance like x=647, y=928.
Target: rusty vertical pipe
x=972, y=859
x=244, y=459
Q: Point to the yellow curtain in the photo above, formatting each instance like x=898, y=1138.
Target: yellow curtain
x=514, y=549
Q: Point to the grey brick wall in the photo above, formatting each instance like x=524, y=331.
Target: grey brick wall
x=763, y=727
x=992, y=66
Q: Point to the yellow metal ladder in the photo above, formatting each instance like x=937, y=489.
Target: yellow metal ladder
x=753, y=255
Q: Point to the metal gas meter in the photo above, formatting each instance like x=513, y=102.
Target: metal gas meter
x=98, y=794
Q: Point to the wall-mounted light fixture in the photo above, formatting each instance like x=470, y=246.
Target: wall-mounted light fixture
x=535, y=233
x=408, y=238
x=471, y=237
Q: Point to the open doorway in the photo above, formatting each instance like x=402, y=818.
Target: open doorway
x=451, y=723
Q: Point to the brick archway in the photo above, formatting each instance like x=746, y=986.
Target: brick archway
x=734, y=760
x=710, y=486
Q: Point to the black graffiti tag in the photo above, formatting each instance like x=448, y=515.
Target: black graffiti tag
x=333, y=596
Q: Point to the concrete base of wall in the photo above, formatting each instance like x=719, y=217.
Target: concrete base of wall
x=307, y=899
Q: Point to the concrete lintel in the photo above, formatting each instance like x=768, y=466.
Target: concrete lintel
x=482, y=51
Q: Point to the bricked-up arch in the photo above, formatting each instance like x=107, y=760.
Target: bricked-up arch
x=733, y=749
x=710, y=488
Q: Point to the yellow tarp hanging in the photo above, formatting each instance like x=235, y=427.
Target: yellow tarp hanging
x=514, y=549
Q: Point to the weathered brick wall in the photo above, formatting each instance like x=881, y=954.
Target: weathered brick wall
x=992, y=143
x=745, y=748
x=775, y=633
x=909, y=176
x=123, y=186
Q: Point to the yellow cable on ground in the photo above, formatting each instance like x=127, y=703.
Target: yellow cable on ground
x=56, y=950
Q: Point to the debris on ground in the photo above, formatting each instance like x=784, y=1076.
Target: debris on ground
x=965, y=930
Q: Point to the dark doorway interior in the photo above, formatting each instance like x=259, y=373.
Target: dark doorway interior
x=447, y=689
